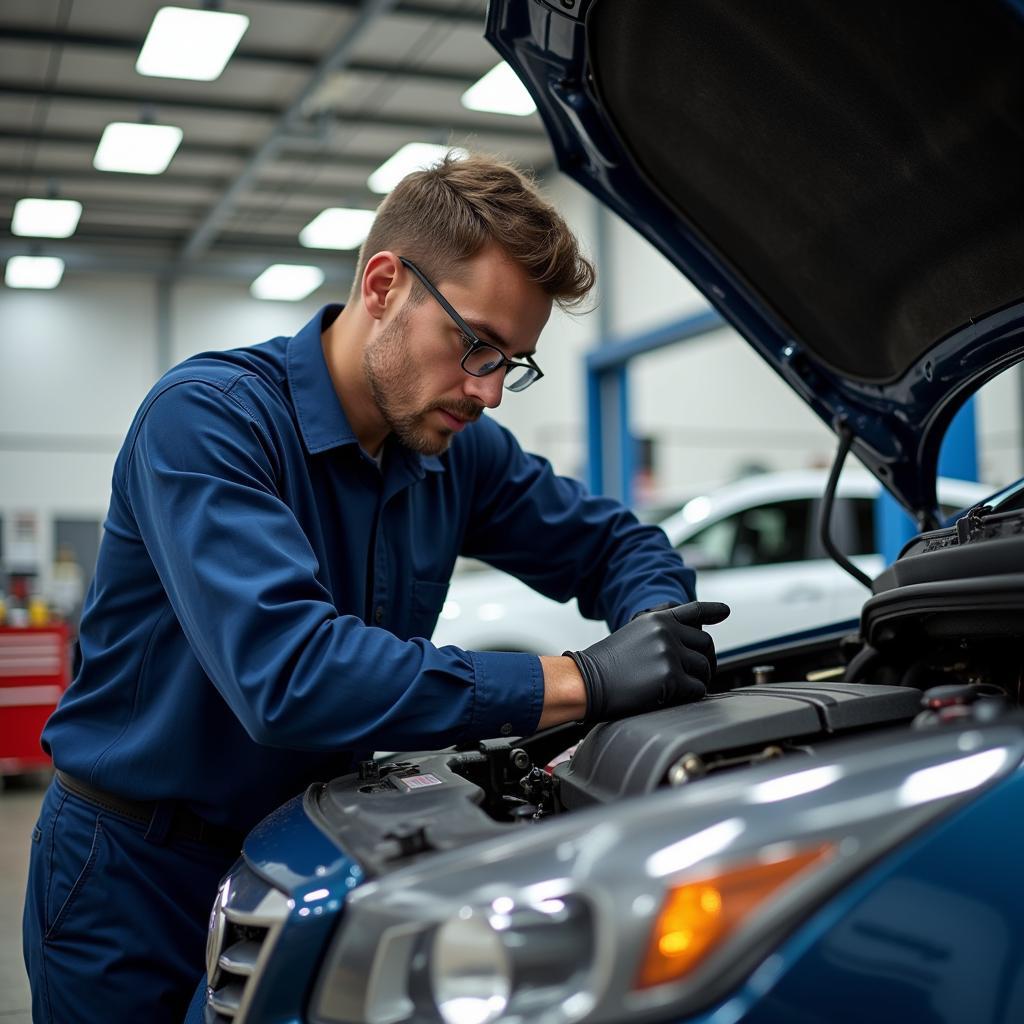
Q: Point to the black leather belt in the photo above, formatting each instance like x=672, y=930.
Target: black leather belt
x=163, y=821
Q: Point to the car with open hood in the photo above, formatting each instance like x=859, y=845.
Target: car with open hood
x=834, y=833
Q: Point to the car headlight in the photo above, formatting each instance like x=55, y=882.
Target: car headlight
x=470, y=971
x=653, y=906
x=502, y=960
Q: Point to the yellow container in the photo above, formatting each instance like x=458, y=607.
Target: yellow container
x=38, y=613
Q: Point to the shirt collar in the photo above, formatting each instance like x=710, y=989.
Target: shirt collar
x=322, y=419
x=321, y=415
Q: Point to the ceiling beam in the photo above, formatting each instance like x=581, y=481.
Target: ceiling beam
x=138, y=98
x=241, y=263
x=112, y=178
x=233, y=108
x=175, y=176
x=259, y=239
x=464, y=16
x=300, y=203
x=308, y=149
x=273, y=58
x=91, y=176
x=90, y=140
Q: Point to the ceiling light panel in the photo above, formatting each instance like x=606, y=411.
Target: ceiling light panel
x=337, y=228
x=46, y=218
x=416, y=156
x=33, y=272
x=136, y=148
x=499, y=92
x=190, y=44
x=287, y=282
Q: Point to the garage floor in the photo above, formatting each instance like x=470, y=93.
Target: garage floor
x=19, y=807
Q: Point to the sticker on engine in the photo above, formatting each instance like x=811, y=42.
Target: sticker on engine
x=419, y=781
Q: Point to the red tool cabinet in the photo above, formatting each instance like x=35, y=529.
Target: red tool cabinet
x=34, y=672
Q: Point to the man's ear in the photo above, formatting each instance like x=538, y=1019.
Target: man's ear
x=379, y=287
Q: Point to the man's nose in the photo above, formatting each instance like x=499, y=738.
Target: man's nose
x=486, y=390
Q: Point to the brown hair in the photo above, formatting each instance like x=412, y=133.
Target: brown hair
x=444, y=215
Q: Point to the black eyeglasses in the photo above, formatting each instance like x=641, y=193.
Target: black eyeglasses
x=481, y=358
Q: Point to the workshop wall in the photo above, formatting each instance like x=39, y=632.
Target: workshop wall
x=211, y=316
x=75, y=363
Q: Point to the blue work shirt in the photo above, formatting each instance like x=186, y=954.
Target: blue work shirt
x=265, y=590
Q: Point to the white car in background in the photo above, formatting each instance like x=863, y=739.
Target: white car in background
x=754, y=545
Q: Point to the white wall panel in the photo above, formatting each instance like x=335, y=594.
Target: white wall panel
x=715, y=408
x=76, y=360
x=999, y=421
x=647, y=291
x=218, y=316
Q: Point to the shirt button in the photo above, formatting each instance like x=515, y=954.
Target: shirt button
x=506, y=729
x=378, y=615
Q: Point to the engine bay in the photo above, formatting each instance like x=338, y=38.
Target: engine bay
x=939, y=645
x=394, y=810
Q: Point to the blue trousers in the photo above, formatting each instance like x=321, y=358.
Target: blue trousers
x=115, y=923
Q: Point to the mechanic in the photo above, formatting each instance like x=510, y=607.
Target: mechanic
x=283, y=523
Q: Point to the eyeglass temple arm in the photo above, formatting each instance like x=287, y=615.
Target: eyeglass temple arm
x=442, y=301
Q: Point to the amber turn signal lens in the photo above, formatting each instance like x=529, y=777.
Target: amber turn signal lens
x=699, y=915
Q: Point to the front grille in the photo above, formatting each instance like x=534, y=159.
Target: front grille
x=244, y=924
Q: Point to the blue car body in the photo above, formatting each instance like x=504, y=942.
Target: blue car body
x=929, y=932
x=347, y=903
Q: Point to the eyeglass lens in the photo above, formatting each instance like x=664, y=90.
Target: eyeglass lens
x=484, y=360
x=520, y=377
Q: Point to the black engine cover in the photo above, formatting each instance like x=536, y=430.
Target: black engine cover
x=633, y=756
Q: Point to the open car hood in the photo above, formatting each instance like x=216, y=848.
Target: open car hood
x=844, y=182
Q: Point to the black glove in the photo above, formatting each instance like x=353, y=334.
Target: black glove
x=658, y=659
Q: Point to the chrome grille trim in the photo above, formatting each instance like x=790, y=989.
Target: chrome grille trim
x=241, y=957
x=227, y=1000
x=246, y=921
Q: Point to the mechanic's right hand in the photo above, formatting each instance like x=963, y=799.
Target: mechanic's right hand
x=659, y=659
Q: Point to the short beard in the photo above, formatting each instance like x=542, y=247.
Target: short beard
x=386, y=366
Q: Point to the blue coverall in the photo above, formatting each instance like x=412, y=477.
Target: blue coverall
x=258, y=620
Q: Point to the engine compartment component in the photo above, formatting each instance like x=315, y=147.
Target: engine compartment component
x=635, y=756
x=391, y=811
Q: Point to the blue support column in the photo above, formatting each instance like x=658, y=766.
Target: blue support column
x=627, y=445
x=610, y=442
x=595, y=434
x=893, y=527
x=958, y=459
x=959, y=455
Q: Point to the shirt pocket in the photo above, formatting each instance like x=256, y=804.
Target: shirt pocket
x=427, y=601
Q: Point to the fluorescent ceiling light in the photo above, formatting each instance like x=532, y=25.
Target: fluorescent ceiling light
x=337, y=228
x=33, y=272
x=416, y=156
x=136, y=148
x=190, y=44
x=287, y=282
x=46, y=218
x=500, y=92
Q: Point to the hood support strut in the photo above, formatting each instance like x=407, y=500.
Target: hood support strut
x=825, y=518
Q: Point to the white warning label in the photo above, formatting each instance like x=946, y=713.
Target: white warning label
x=419, y=781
